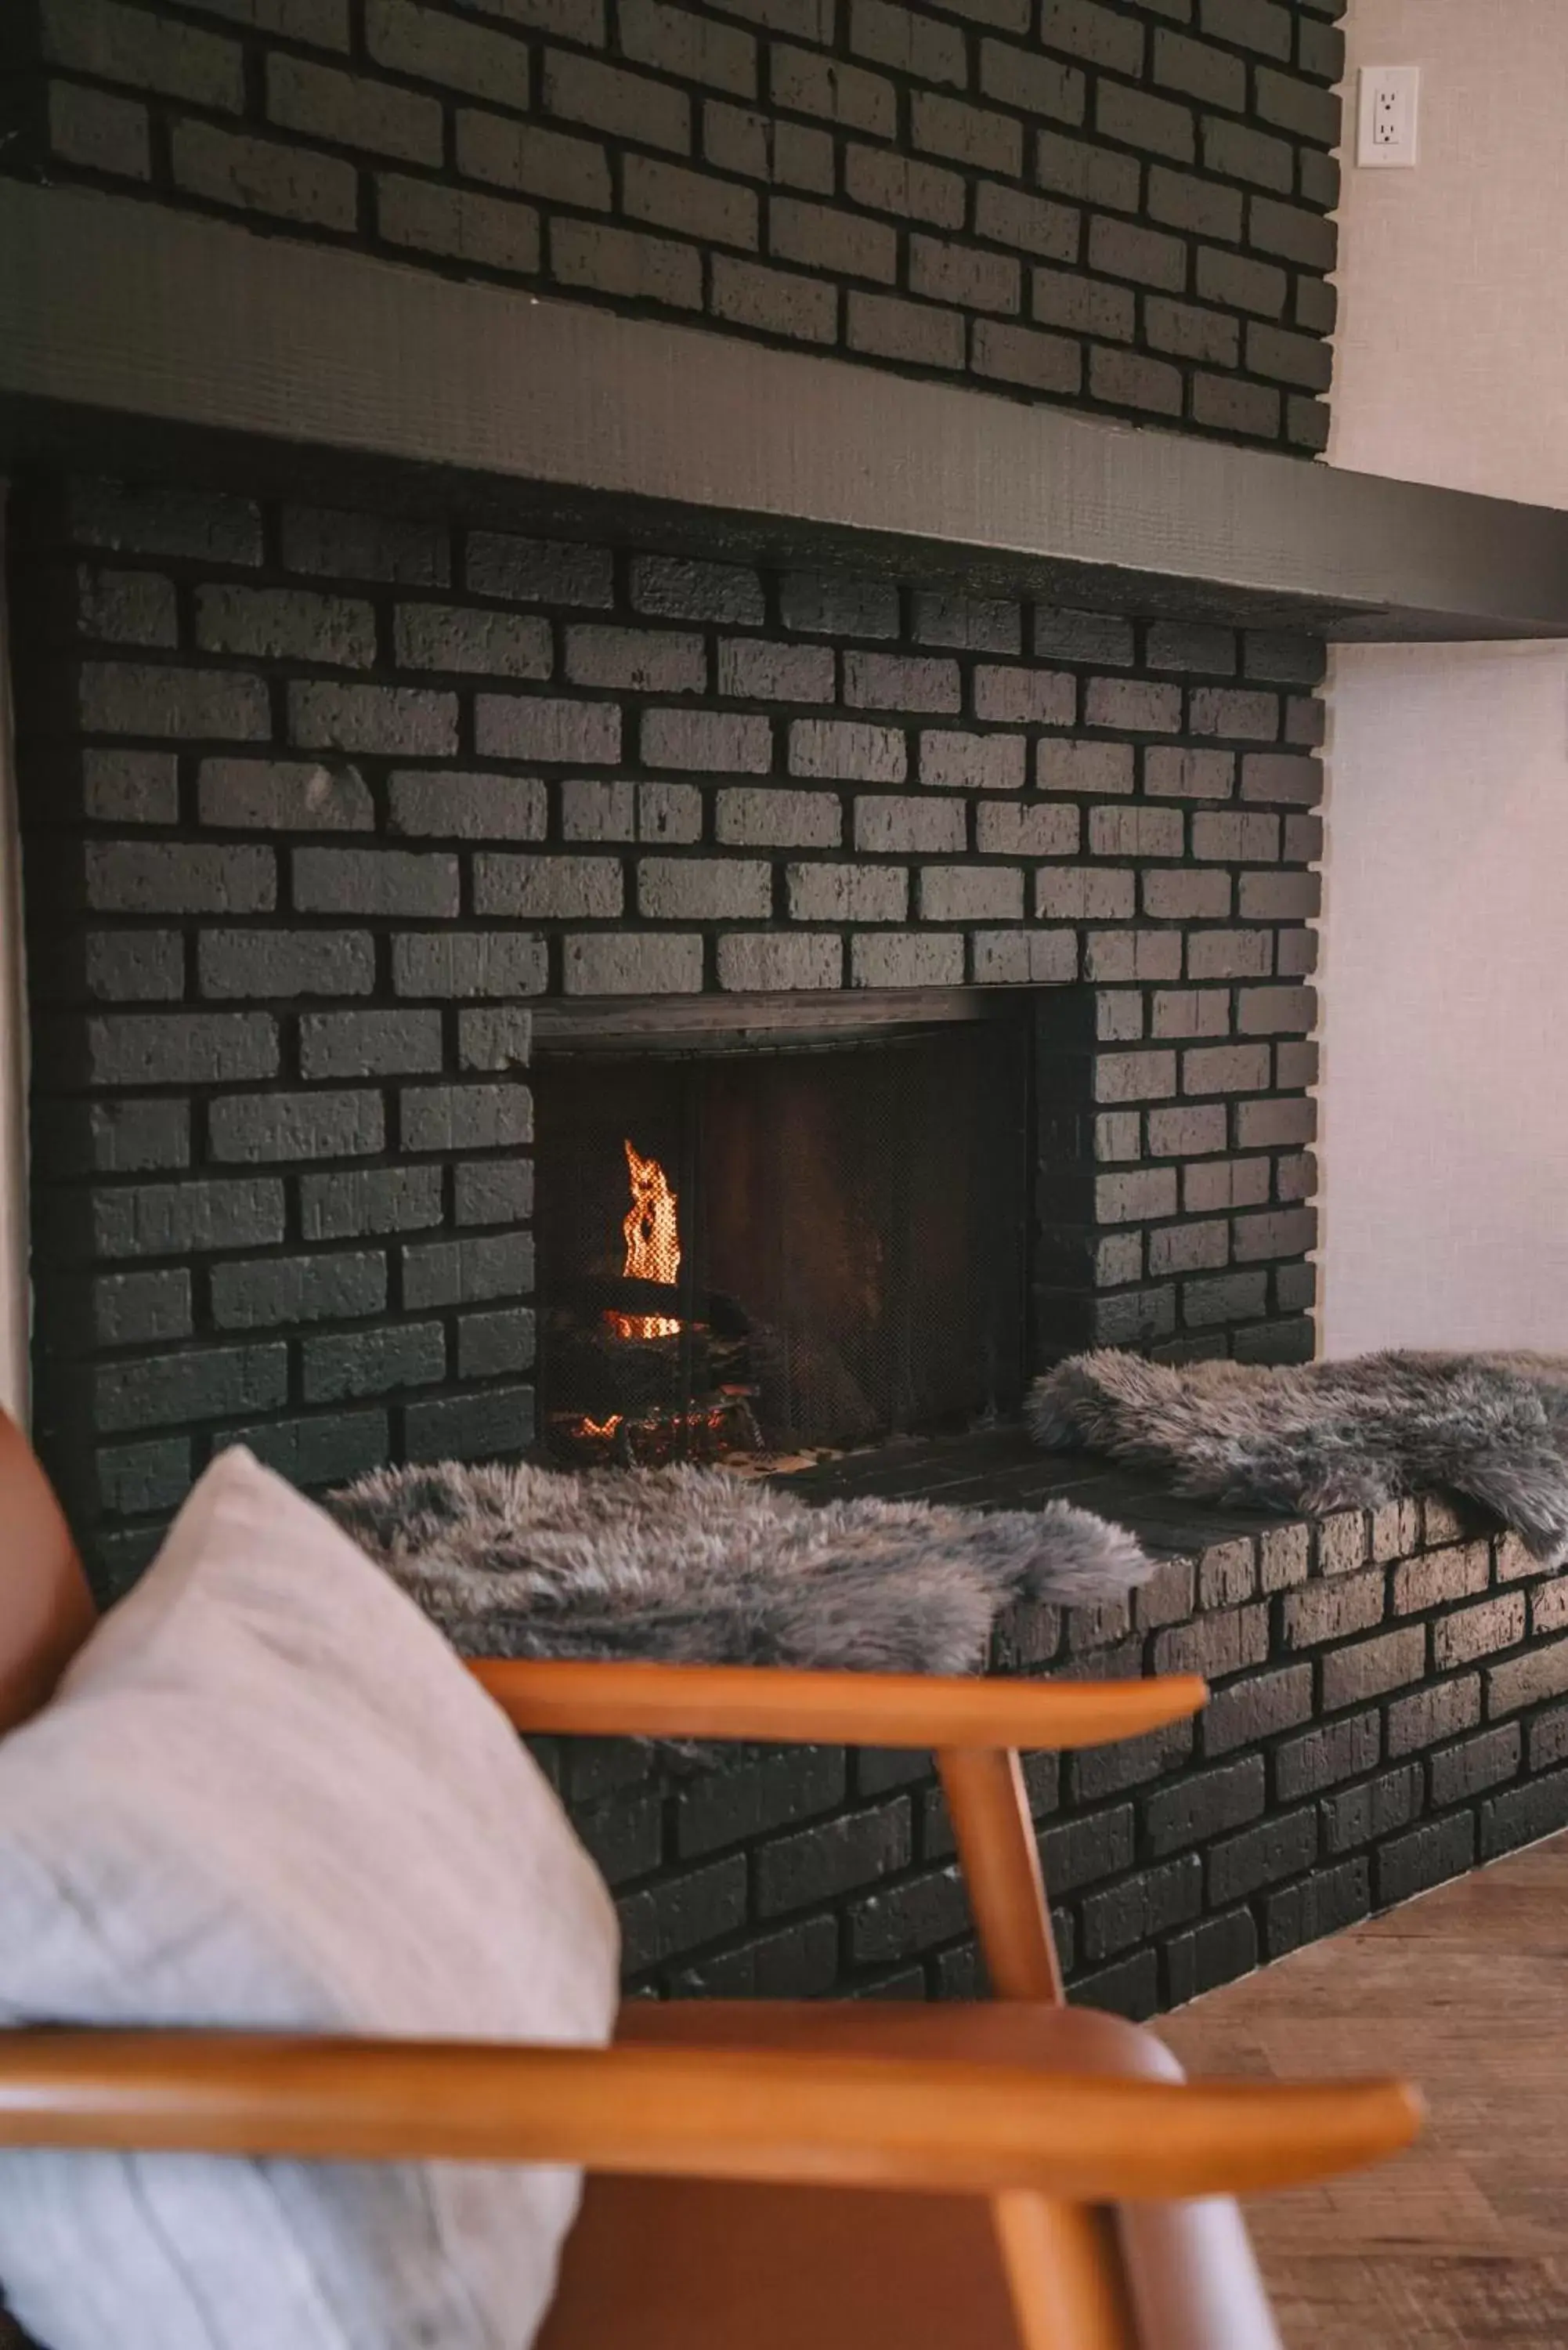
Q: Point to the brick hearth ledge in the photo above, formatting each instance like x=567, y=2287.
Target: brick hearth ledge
x=1387, y=1710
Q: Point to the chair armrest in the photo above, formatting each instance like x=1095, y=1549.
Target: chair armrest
x=764, y=1702
x=692, y=2111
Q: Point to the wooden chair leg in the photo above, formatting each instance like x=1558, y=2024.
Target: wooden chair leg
x=1065, y=2276
x=1064, y=2272
x=996, y=1842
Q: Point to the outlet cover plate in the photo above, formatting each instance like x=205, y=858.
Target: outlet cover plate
x=1388, y=116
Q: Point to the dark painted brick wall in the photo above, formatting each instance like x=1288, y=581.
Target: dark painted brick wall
x=316, y=806
x=1120, y=204
x=1388, y=1709
x=315, y=803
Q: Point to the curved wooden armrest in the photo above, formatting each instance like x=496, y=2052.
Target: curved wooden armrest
x=694, y=2112
x=747, y=1701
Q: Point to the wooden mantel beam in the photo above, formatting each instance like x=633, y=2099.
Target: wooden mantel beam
x=135, y=335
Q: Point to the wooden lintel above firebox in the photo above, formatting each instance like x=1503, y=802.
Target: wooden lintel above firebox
x=711, y=1023
x=137, y=336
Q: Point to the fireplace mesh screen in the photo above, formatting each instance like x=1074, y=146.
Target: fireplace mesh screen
x=782, y=1250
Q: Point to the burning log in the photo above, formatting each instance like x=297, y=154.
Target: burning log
x=709, y=1431
x=653, y=1384
x=614, y=1293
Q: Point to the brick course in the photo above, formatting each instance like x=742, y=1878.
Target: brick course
x=889, y=196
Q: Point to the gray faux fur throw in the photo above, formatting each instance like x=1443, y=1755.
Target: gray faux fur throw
x=1492, y=1428
x=699, y=1567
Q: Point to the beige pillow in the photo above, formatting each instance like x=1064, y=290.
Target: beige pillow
x=268, y=1796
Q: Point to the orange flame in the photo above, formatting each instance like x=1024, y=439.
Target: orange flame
x=666, y=1436
x=652, y=1243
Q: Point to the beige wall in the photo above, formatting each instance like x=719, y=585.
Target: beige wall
x=14, y=1287
x=1451, y=358
x=1445, y=1092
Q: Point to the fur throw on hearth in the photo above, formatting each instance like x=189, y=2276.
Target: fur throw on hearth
x=1492, y=1428
x=700, y=1566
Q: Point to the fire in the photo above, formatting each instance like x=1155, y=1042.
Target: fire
x=707, y=1432
x=652, y=1243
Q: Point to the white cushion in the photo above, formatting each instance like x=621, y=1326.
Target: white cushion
x=267, y=1794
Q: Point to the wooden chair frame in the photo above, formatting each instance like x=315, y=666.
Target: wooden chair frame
x=1046, y=2150
x=975, y=1727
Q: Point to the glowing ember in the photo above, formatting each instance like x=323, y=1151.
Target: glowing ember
x=714, y=1432
x=652, y=1244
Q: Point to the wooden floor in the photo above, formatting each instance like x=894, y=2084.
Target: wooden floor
x=1463, y=2241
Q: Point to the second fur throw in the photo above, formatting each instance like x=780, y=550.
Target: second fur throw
x=1492, y=1428
x=697, y=1566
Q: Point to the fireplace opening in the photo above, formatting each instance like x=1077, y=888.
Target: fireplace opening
x=751, y=1253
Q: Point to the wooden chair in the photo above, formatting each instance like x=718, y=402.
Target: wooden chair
x=1021, y=2173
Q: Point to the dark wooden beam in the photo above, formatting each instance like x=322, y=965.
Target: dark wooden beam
x=131, y=334
x=716, y=1023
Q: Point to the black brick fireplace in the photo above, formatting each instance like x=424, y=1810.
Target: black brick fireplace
x=390, y=784
x=322, y=808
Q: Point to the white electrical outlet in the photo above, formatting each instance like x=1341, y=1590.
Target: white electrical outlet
x=1386, y=119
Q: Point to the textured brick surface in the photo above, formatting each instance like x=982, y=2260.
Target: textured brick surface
x=1123, y=206
x=284, y=1131
x=1196, y=1872
x=285, y=1122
